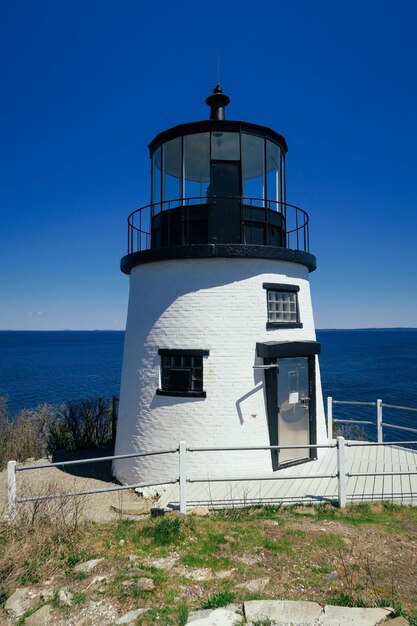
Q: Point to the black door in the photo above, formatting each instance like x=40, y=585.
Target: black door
x=225, y=192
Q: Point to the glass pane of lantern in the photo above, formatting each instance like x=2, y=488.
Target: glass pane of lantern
x=156, y=179
x=272, y=173
x=172, y=168
x=196, y=166
x=253, y=168
x=282, y=179
x=225, y=146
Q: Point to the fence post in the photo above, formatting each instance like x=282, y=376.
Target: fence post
x=341, y=471
x=329, y=417
x=11, y=490
x=183, y=477
x=379, y=421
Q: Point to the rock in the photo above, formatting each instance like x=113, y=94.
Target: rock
x=204, y=613
x=157, y=511
x=97, y=580
x=255, y=586
x=342, y=616
x=398, y=621
x=163, y=563
x=131, y=617
x=20, y=601
x=141, y=508
x=122, y=542
x=135, y=572
x=132, y=558
x=283, y=611
x=65, y=597
x=225, y=573
x=46, y=594
x=87, y=566
x=200, y=511
x=144, y=584
x=195, y=615
x=92, y=613
x=216, y=617
x=198, y=574
x=249, y=559
x=332, y=575
x=42, y=617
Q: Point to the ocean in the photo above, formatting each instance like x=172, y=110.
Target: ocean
x=54, y=366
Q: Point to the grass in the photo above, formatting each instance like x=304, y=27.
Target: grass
x=309, y=553
x=219, y=599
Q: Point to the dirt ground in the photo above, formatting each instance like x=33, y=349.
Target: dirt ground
x=97, y=507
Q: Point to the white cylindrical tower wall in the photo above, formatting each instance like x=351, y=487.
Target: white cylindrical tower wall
x=219, y=305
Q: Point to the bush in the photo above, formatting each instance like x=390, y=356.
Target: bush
x=75, y=425
x=26, y=435
x=165, y=531
x=81, y=424
x=219, y=599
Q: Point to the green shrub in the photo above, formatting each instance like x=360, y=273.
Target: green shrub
x=182, y=614
x=24, y=436
x=165, y=531
x=217, y=600
x=75, y=425
x=81, y=424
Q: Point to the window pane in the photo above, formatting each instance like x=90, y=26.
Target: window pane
x=156, y=179
x=225, y=146
x=196, y=165
x=172, y=168
x=253, y=167
x=182, y=373
x=282, y=180
x=272, y=173
x=282, y=306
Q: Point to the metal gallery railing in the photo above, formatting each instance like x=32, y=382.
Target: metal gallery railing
x=182, y=214
x=377, y=422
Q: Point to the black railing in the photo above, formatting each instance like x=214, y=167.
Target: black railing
x=202, y=220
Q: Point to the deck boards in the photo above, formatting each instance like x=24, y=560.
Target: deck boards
x=359, y=459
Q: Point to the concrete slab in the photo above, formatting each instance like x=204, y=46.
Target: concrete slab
x=216, y=617
x=344, y=616
x=282, y=612
x=397, y=621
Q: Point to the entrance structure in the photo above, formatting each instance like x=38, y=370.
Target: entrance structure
x=220, y=345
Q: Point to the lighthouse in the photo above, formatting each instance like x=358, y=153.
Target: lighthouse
x=220, y=346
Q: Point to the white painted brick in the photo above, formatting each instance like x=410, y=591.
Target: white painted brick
x=214, y=304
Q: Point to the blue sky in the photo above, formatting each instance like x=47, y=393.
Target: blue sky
x=87, y=84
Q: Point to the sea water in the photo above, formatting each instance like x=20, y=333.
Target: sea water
x=361, y=365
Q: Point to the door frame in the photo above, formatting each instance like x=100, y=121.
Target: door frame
x=271, y=352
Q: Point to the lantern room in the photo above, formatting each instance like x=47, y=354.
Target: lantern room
x=217, y=181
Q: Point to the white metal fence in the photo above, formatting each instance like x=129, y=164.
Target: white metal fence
x=182, y=451
x=378, y=420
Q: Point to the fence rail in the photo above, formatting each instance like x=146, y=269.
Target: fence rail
x=183, y=479
x=378, y=422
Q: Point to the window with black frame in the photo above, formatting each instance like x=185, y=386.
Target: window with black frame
x=182, y=373
x=282, y=306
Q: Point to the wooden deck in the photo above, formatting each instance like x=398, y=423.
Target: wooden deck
x=311, y=486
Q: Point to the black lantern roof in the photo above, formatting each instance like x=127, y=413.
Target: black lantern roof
x=217, y=102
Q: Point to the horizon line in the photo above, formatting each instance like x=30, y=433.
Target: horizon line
x=122, y=330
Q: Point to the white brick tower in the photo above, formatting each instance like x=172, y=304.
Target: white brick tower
x=220, y=345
